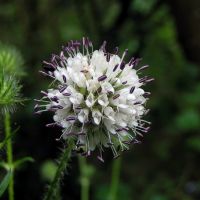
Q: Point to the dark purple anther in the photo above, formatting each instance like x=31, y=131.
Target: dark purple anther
x=135, y=62
x=71, y=118
x=124, y=83
x=116, y=96
x=55, y=98
x=132, y=90
x=115, y=68
x=67, y=94
x=119, y=129
x=108, y=57
x=64, y=78
x=48, y=68
x=102, y=78
x=57, y=107
x=122, y=65
x=116, y=50
x=137, y=102
x=62, y=89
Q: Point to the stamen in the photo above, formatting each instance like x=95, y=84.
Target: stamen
x=115, y=68
x=67, y=94
x=122, y=65
x=116, y=50
x=142, y=68
x=132, y=90
x=102, y=78
x=64, y=78
x=116, y=96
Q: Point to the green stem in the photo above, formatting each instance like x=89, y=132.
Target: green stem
x=115, y=179
x=63, y=164
x=9, y=154
x=84, y=179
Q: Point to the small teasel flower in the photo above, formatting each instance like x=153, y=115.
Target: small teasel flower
x=9, y=93
x=11, y=60
x=97, y=97
x=11, y=68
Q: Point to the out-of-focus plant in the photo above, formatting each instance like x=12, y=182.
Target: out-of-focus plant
x=11, y=60
x=10, y=71
x=9, y=92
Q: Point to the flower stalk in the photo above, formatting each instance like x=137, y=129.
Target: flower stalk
x=9, y=154
x=63, y=164
x=84, y=179
x=116, y=167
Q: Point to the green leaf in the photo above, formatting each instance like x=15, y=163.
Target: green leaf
x=4, y=165
x=21, y=161
x=5, y=182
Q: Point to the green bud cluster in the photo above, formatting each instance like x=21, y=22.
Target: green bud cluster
x=11, y=63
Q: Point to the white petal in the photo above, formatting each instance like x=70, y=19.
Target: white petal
x=107, y=87
x=103, y=100
x=83, y=115
x=96, y=116
x=76, y=98
x=90, y=100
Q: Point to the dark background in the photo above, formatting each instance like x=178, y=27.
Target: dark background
x=166, y=34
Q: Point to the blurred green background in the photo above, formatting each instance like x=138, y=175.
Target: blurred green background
x=166, y=34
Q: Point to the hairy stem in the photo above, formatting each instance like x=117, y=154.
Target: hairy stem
x=9, y=154
x=84, y=179
x=115, y=179
x=63, y=164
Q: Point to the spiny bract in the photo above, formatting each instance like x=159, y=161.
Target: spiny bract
x=97, y=97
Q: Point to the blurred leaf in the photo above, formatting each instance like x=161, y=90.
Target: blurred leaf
x=48, y=170
x=188, y=120
x=5, y=182
x=143, y=6
x=111, y=14
x=21, y=161
x=11, y=60
x=159, y=197
x=194, y=143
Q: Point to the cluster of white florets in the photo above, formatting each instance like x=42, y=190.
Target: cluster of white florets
x=97, y=98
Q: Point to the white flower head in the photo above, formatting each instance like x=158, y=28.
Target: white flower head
x=97, y=98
